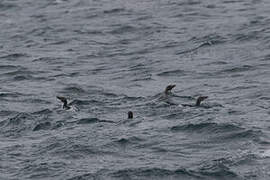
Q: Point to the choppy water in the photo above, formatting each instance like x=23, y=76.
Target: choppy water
x=110, y=57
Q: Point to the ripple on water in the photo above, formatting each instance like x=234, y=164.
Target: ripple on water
x=17, y=125
x=207, y=127
x=14, y=56
x=176, y=73
x=42, y=126
x=88, y=120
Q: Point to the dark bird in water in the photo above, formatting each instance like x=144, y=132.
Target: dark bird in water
x=169, y=88
x=165, y=96
x=198, y=102
x=64, y=101
x=130, y=115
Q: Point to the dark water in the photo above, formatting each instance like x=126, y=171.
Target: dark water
x=110, y=57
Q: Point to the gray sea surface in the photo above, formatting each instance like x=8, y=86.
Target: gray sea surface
x=108, y=57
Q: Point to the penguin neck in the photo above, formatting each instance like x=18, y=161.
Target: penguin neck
x=198, y=102
x=167, y=92
x=66, y=106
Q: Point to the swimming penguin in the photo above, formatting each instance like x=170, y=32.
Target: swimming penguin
x=130, y=115
x=169, y=88
x=64, y=101
x=165, y=96
x=198, y=102
x=66, y=106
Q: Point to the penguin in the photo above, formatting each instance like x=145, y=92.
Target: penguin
x=66, y=105
x=198, y=102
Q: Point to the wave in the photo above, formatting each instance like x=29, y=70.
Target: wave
x=4, y=113
x=217, y=171
x=205, y=41
x=176, y=73
x=88, y=120
x=14, y=56
x=10, y=94
x=42, y=126
x=5, y=6
x=151, y=173
x=145, y=77
x=115, y=10
x=245, y=133
x=74, y=151
x=21, y=72
x=211, y=39
x=137, y=173
x=17, y=125
x=86, y=176
x=123, y=29
x=128, y=140
x=246, y=36
x=238, y=69
x=125, y=98
x=86, y=102
x=8, y=67
x=43, y=112
x=219, y=131
x=19, y=119
x=207, y=127
x=50, y=60
x=181, y=173
x=74, y=89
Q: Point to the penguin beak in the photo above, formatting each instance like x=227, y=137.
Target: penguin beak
x=170, y=87
x=173, y=85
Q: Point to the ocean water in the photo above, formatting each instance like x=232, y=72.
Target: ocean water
x=110, y=57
